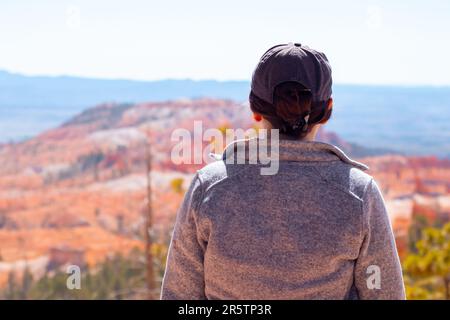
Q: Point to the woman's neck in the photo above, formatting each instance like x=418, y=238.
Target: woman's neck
x=311, y=136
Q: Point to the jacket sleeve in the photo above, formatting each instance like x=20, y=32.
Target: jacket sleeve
x=378, y=273
x=184, y=277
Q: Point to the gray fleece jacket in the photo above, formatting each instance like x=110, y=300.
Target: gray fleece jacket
x=318, y=229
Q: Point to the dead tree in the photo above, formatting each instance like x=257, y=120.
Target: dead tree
x=150, y=276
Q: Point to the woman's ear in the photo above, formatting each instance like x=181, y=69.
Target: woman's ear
x=257, y=117
x=327, y=111
x=330, y=103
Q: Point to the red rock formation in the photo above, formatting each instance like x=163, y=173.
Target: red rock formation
x=69, y=185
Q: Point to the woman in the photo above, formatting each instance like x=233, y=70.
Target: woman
x=317, y=229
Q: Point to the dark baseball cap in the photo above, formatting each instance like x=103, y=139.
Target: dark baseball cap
x=292, y=62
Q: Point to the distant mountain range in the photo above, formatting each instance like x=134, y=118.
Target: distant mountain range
x=75, y=92
x=411, y=120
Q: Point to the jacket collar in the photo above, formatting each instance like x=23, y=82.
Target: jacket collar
x=292, y=150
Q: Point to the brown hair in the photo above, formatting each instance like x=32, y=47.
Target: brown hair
x=292, y=104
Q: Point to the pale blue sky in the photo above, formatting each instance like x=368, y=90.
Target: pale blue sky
x=367, y=41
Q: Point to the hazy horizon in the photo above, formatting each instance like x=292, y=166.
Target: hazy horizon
x=388, y=114
x=406, y=85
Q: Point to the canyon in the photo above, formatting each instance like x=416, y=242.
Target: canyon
x=78, y=192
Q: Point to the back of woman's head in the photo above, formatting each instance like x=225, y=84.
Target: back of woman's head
x=291, y=88
x=293, y=110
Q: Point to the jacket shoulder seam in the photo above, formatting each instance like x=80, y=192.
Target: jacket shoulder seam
x=366, y=187
x=198, y=204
